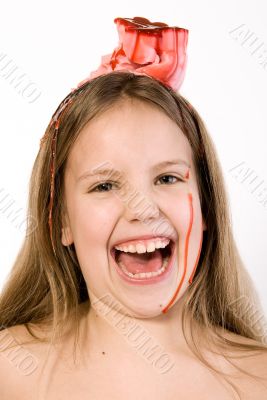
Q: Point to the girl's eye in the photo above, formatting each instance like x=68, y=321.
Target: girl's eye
x=172, y=176
x=104, y=185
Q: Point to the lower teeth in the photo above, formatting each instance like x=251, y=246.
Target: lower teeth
x=145, y=274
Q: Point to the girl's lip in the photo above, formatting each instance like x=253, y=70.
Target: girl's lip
x=153, y=279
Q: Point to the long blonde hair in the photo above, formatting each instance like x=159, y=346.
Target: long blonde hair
x=44, y=289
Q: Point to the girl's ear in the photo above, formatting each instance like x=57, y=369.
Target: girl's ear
x=66, y=233
x=66, y=237
x=204, y=225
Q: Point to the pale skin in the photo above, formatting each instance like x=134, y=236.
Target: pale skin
x=133, y=137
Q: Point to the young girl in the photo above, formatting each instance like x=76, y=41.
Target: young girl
x=131, y=285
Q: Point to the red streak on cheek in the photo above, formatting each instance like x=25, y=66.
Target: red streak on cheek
x=195, y=267
x=190, y=199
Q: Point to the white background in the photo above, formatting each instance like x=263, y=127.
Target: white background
x=57, y=44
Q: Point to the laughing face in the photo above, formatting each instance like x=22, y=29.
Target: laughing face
x=132, y=208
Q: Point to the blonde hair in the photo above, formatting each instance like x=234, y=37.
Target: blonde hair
x=44, y=289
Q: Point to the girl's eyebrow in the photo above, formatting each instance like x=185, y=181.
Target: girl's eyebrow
x=112, y=171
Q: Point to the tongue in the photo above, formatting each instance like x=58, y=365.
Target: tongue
x=144, y=262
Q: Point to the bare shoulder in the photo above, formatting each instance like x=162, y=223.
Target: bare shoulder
x=248, y=366
x=253, y=385
x=20, y=358
x=251, y=357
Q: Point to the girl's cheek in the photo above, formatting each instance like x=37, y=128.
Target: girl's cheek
x=97, y=218
x=188, y=223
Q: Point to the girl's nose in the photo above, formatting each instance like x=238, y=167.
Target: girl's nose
x=141, y=210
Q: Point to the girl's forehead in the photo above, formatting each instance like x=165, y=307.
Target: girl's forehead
x=138, y=125
x=136, y=134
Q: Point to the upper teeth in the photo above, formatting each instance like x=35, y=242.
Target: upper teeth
x=144, y=247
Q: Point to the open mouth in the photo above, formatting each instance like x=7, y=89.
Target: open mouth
x=147, y=266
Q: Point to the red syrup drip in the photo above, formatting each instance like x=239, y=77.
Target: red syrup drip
x=196, y=263
x=56, y=121
x=190, y=199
